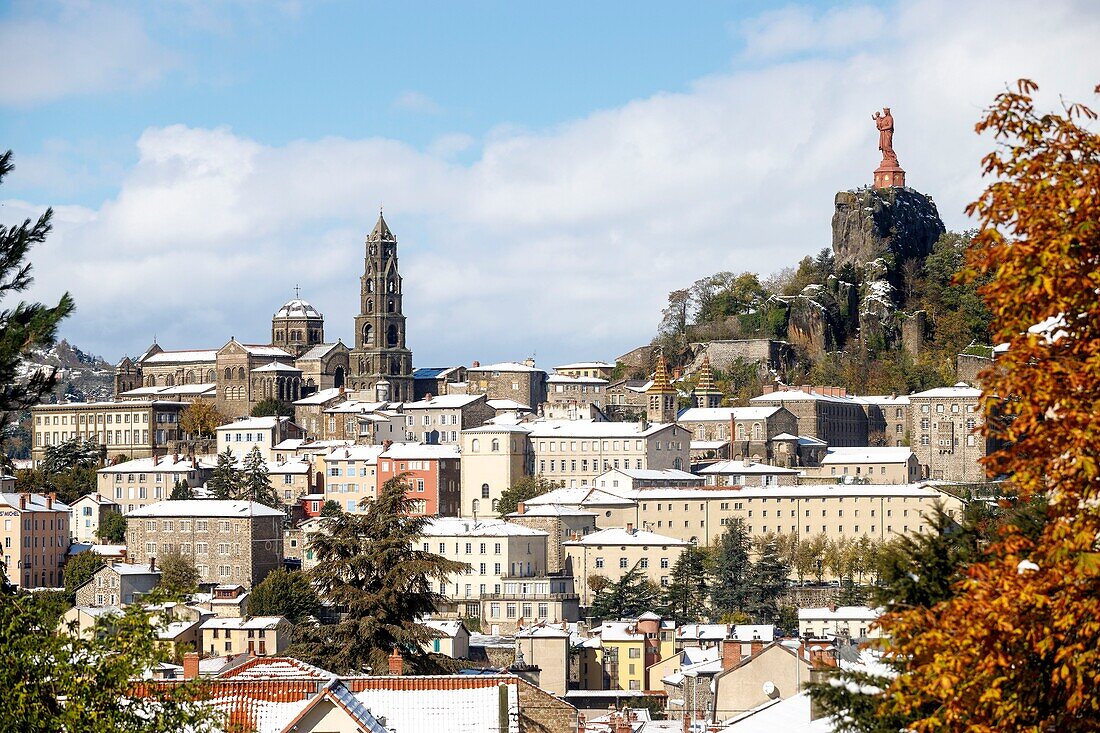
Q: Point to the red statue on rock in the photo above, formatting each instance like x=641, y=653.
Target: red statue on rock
x=889, y=172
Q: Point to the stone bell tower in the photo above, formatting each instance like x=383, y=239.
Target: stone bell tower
x=380, y=352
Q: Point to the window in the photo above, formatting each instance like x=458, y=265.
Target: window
x=622, y=562
x=664, y=562
x=599, y=562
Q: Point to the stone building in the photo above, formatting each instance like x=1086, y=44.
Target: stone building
x=437, y=380
x=887, y=419
x=825, y=413
x=297, y=327
x=560, y=523
x=523, y=383
x=143, y=481
x=943, y=423
x=440, y=419
x=574, y=452
x=228, y=541
x=118, y=584
x=626, y=399
x=325, y=366
x=597, y=369
x=241, y=436
x=872, y=464
x=380, y=352
x=574, y=398
x=34, y=535
x=136, y=429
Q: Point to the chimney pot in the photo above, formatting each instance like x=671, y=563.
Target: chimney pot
x=630, y=528
x=521, y=507
x=191, y=665
x=429, y=396
x=476, y=364
x=397, y=664
x=23, y=500
x=731, y=652
x=51, y=499
x=152, y=563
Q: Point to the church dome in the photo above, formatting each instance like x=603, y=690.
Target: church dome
x=298, y=308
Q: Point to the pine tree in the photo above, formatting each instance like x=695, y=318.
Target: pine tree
x=371, y=565
x=181, y=491
x=686, y=596
x=225, y=481
x=627, y=597
x=25, y=326
x=732, y=590
x=254, y=482
x=767, y=581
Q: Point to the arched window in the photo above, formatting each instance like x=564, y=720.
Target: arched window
x=212, y=376
x=678, y=464
x=476, y=506
x=496, y=445
x=740, y=431
x=189, y=378
x=485, y=491
x=390, y=306
x=240, y=373
x=395, y=366
x=391, y=337
x=391, y=286
x=475, y=445
x=495, y=504
x=370, y=286
x=370, y=306
x=368, y=335
x=278, y=335
x=756, y=431
x=169, y=381
x=228, y=373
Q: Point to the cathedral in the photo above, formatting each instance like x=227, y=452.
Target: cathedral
x=298, y=361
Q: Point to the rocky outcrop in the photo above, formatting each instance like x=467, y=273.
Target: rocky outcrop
x=808, y=323
x=892, y=224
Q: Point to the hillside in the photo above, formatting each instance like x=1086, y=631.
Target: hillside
x=877, y=312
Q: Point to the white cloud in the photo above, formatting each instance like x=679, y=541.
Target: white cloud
x=77, y=49
x=563, y=241
x=793, y=29
x=413, y=101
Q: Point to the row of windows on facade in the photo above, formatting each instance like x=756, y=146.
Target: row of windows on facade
x=451, y=419
x=105, y=418
x=183, y=377
x=294, y=336
x=347, y=488
x=200, y=525
x=158, y=477
x=941, y=408
x=112, y=437
x=201, y=548
x=525, y=609
x=971, y=441
x=392, y=335
x=624, y=563
x=614, y=445
x=778, y=529
x=926, y=422
x=571, y=466
x=582, y=388
x=60, y=524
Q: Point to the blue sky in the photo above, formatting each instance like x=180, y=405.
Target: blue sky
x=551, y=170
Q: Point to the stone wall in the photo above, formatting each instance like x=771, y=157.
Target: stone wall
x=723, y=354
x=541, y=712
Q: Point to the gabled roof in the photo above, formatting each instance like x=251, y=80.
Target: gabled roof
x=867, y=454
x=620, y=536
x=277, y=367
x=321, y=396
x=267, y=668
x=444, y=402
x=320, y=351
x=178, y=357
x=504, y=366
x=205, y=508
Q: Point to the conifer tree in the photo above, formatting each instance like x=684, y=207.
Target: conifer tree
x=733, y=574
x=24, y=327
x=225, y=481
x=372, y=564
x=767, y=580
x=284, y=593
x=687, y=594
x=627, y=597
x=180, y=491
x=254, y=482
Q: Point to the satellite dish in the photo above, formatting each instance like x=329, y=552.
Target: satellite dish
x=769, y=688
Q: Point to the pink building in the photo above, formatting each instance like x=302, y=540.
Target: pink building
x=34, y=533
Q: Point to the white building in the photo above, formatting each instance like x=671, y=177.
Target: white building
x=855, y=622
x=85, y=515
x=265, y=433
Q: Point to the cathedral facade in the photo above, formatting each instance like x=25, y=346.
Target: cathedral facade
x=298, y=361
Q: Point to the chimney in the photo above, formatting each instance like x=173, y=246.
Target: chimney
x=822, y=656
x=51, y=499
x=194, y=462
x=397, y=664
x=521, y=507
x=190, y=665
x=152, y=563
x=806, y=388
x=731, y=652
x=624, y=725
x=630, y=528
x=386, y=444
x=755, y=647
x=23, y=500
x=529, y=362
x=341, y=392
x=476, y=364
x=843, y=392
x=175, y=458
x=428, y=397
x=156, y=460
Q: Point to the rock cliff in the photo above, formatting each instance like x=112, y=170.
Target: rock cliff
x=894, y=224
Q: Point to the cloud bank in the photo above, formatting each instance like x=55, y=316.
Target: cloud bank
x=561, y=242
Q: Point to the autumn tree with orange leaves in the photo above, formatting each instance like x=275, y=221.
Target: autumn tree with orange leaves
x=1017, y=648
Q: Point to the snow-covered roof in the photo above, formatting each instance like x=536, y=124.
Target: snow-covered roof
x=724, y=468
x=183, y=356
x=796, y=395
x=35, y=502
x=500, y=405
x=960, y=390
x=237, y=622
x=883, y=399
x=444, y=402
x=160, y=464
x=790, y=715
x=867, y=454
x=368, y=453
x=321, y=396
x=319, y=351
x=654, y=474
x=585, y=365
x=125, y=568
x=500, y=427
x=290, y=467
x=551, y=510
x=461, y=527
x=277, y=367
x=265, y=350
x=618, y=631
x=709, y=444
x=94, y=498
x=297, y=308
x=504, y=366
x=255, y=423
x=421, y=451
x=542, y=631
x=620, y=536
x=838, y=613
x=566, y=379
x=714, y=632
x=593, y=429
x=923, y=490
x=583, y=496
x=205, y=508
x=444, y=627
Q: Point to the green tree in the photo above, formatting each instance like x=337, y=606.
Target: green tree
x=112, y=528
x=331, y=508
x=372, y=565
x=732, y=590
x=72, y=453
x=56, y=683
x=767, y=581
x=225, y=480
x=181, y=491
x=255, y=483
x=72, y=483
x=627, y=597
x=272, y=407
x=285, y=593
x=686, y=596
x=24, y=327
x=524, y=489
x=178, y=575
x=79, y=568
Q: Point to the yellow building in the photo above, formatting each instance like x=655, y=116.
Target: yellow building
x=259, y=636
x=612, y=553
